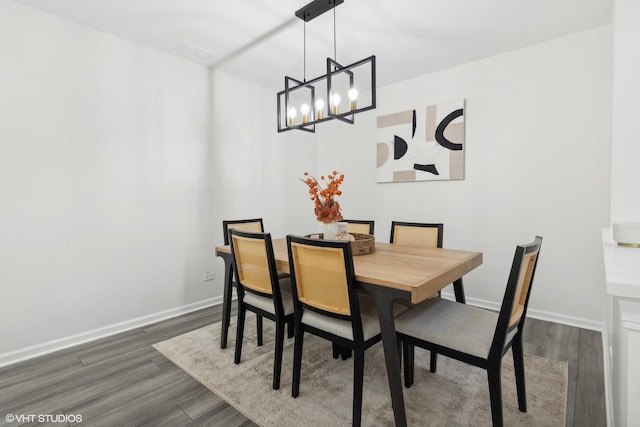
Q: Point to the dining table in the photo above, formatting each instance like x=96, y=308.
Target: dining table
x=391, y=273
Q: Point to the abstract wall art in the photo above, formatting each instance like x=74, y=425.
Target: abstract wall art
x=425, y=144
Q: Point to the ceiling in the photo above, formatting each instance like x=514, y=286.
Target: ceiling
x=262, y=41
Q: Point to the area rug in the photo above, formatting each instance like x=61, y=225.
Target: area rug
x=457, y=395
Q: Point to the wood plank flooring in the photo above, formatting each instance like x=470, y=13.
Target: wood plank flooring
x=122, y=381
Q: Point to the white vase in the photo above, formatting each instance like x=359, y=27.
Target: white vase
x=330, y=230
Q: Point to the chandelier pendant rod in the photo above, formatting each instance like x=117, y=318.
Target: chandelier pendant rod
x=335, y=56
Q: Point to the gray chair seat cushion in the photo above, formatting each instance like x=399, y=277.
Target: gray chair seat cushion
x=266, y=303
x=450, y=324
x=343, y=328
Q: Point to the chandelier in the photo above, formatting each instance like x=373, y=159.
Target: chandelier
x=303, y=104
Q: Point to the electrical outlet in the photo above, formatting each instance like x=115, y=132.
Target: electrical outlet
x=209, y=276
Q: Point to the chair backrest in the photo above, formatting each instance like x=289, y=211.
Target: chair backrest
x=322, y=277
x=253, y=225
x=516, y=297
x=417, y=234
x=255, y=264
x=359, y=226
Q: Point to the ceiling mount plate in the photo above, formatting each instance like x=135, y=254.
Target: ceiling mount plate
x=317, y=8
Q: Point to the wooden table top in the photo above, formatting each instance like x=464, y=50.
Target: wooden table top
x=419, y=271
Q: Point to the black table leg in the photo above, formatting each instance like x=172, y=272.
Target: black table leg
x=226, y=300
x=384, y=298
x=459, y=291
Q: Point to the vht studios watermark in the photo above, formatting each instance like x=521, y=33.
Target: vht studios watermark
x=43, y=418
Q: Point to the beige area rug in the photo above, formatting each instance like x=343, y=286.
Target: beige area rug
x=457, y=395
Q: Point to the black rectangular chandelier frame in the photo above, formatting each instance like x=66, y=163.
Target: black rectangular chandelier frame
x=314, y=116
x=333, y=68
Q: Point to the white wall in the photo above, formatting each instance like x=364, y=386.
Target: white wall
x=256, y=169
x=625, y=176
x=104, y=212
x=537, y=162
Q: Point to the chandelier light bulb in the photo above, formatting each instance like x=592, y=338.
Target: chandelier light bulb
x=319, y=108
x=304, y=109
x=335, y=103
x=353, y=96
x=292, y=116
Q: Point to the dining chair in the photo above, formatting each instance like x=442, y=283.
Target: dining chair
x=253, y=225
x=476, y=336
x=327, y=304
x=359, y=226
x=260, y=290
x=416, y=234
x=419, y=234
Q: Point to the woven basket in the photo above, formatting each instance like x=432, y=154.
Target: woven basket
x=364, y=243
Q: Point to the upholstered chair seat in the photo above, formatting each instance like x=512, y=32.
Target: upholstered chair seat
x=460, y=327
x=343, y=328
x=266, y=303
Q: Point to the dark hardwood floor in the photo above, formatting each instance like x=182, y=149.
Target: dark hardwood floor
x=122, y=381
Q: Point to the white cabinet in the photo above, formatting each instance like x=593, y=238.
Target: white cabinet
x=622, y=267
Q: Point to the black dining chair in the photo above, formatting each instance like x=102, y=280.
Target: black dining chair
x=418, y=234
x=476, y=336
x=252, y=225
x=260, y=290
x=360, y=226
x=328, y=305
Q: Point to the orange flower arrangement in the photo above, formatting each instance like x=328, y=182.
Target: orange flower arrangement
x=326, y=208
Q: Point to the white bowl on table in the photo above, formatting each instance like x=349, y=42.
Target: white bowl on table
x=627, y=234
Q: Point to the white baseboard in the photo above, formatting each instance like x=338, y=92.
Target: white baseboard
x=608, y=384
x=62, y=343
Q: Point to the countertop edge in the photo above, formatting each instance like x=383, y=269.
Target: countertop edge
x=622, y=267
